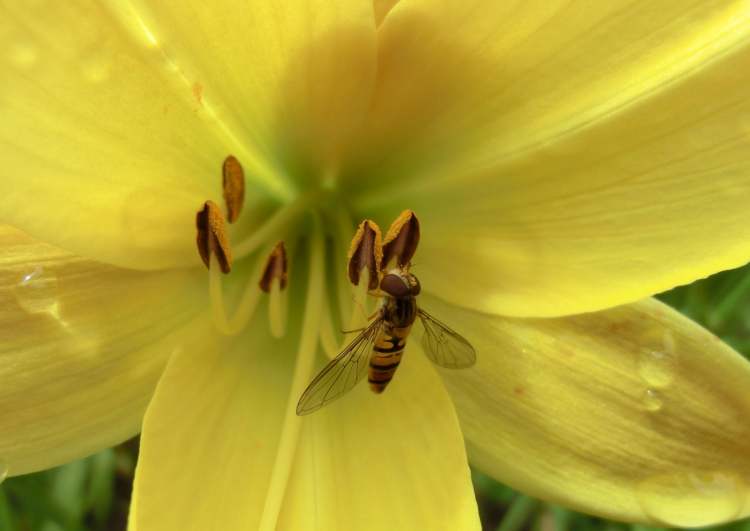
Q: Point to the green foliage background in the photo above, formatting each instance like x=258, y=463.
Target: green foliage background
x=93, y=494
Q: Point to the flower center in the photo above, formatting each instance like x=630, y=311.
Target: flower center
x=318, y=218
x=266, y=246
x=322, y=223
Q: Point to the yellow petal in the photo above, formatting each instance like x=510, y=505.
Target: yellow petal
x=635, y=413
x=291, y=78
x=211, y=434
x=382, y=8
x=82, y=347
x=393, y=461
x=106, y=151
x=564, y=158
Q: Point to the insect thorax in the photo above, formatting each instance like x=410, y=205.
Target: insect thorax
x=401, y=312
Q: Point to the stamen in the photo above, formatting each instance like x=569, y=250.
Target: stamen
x=277, y=309
x=401, y=240
x=342, y=233
x=327, y=334
x=234, y=187
x=283, y=217
x=212, y=237
x=366, y=252
x=273, y=281
x=361, y=308
x=287, y=446
x=245, y=308
x=276, y=269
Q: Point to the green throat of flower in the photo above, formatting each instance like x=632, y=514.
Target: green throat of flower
x=324, y=223
x=368, y=255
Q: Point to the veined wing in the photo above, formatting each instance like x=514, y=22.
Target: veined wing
x=343, y=372
x=444, y=346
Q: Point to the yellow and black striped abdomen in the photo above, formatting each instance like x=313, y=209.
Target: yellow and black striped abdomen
x=386, y=355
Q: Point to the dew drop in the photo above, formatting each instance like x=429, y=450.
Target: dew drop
x=22, y=54
x=36, y=292
x=692, y=499
x=657, y=364
x=652, y=400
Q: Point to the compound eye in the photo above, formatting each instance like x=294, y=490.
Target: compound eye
x=395, y=286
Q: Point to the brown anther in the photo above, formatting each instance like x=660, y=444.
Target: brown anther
x=276, y=269
x=402, y=239
x=366, y=251
x=212, y=236
x=234, y=187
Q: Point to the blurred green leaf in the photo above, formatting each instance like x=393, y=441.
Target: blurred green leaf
x=562, y=517
x=519, y=513
x=101, y=485
x=7, y=522
x=67, y=492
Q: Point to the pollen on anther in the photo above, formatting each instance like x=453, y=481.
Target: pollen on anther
x=276, y=269
x=233, y=182
x=366, y=251
x=401, y=240
x=212, y=237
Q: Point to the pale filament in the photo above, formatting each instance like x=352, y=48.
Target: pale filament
x=328, y=337
x=248, y=302
x=355, y=306
x=344, y=228
x=361, y=310
x=359, y=318
x=303, y=370
x=278, y=303
x=276, y=224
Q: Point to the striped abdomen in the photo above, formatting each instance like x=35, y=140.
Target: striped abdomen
x=386, y=355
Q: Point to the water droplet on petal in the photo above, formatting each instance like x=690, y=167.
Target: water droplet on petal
x=36, y=291
x=692, y=499
x=652, y=400
x=657, y=364
x=22, y=54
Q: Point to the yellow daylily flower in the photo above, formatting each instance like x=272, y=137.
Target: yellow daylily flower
x=566, y=160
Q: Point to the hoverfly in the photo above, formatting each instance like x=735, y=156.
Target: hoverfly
x=377, y=350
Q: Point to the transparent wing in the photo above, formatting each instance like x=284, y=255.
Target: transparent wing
x=444, y=346
x=343, y=372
